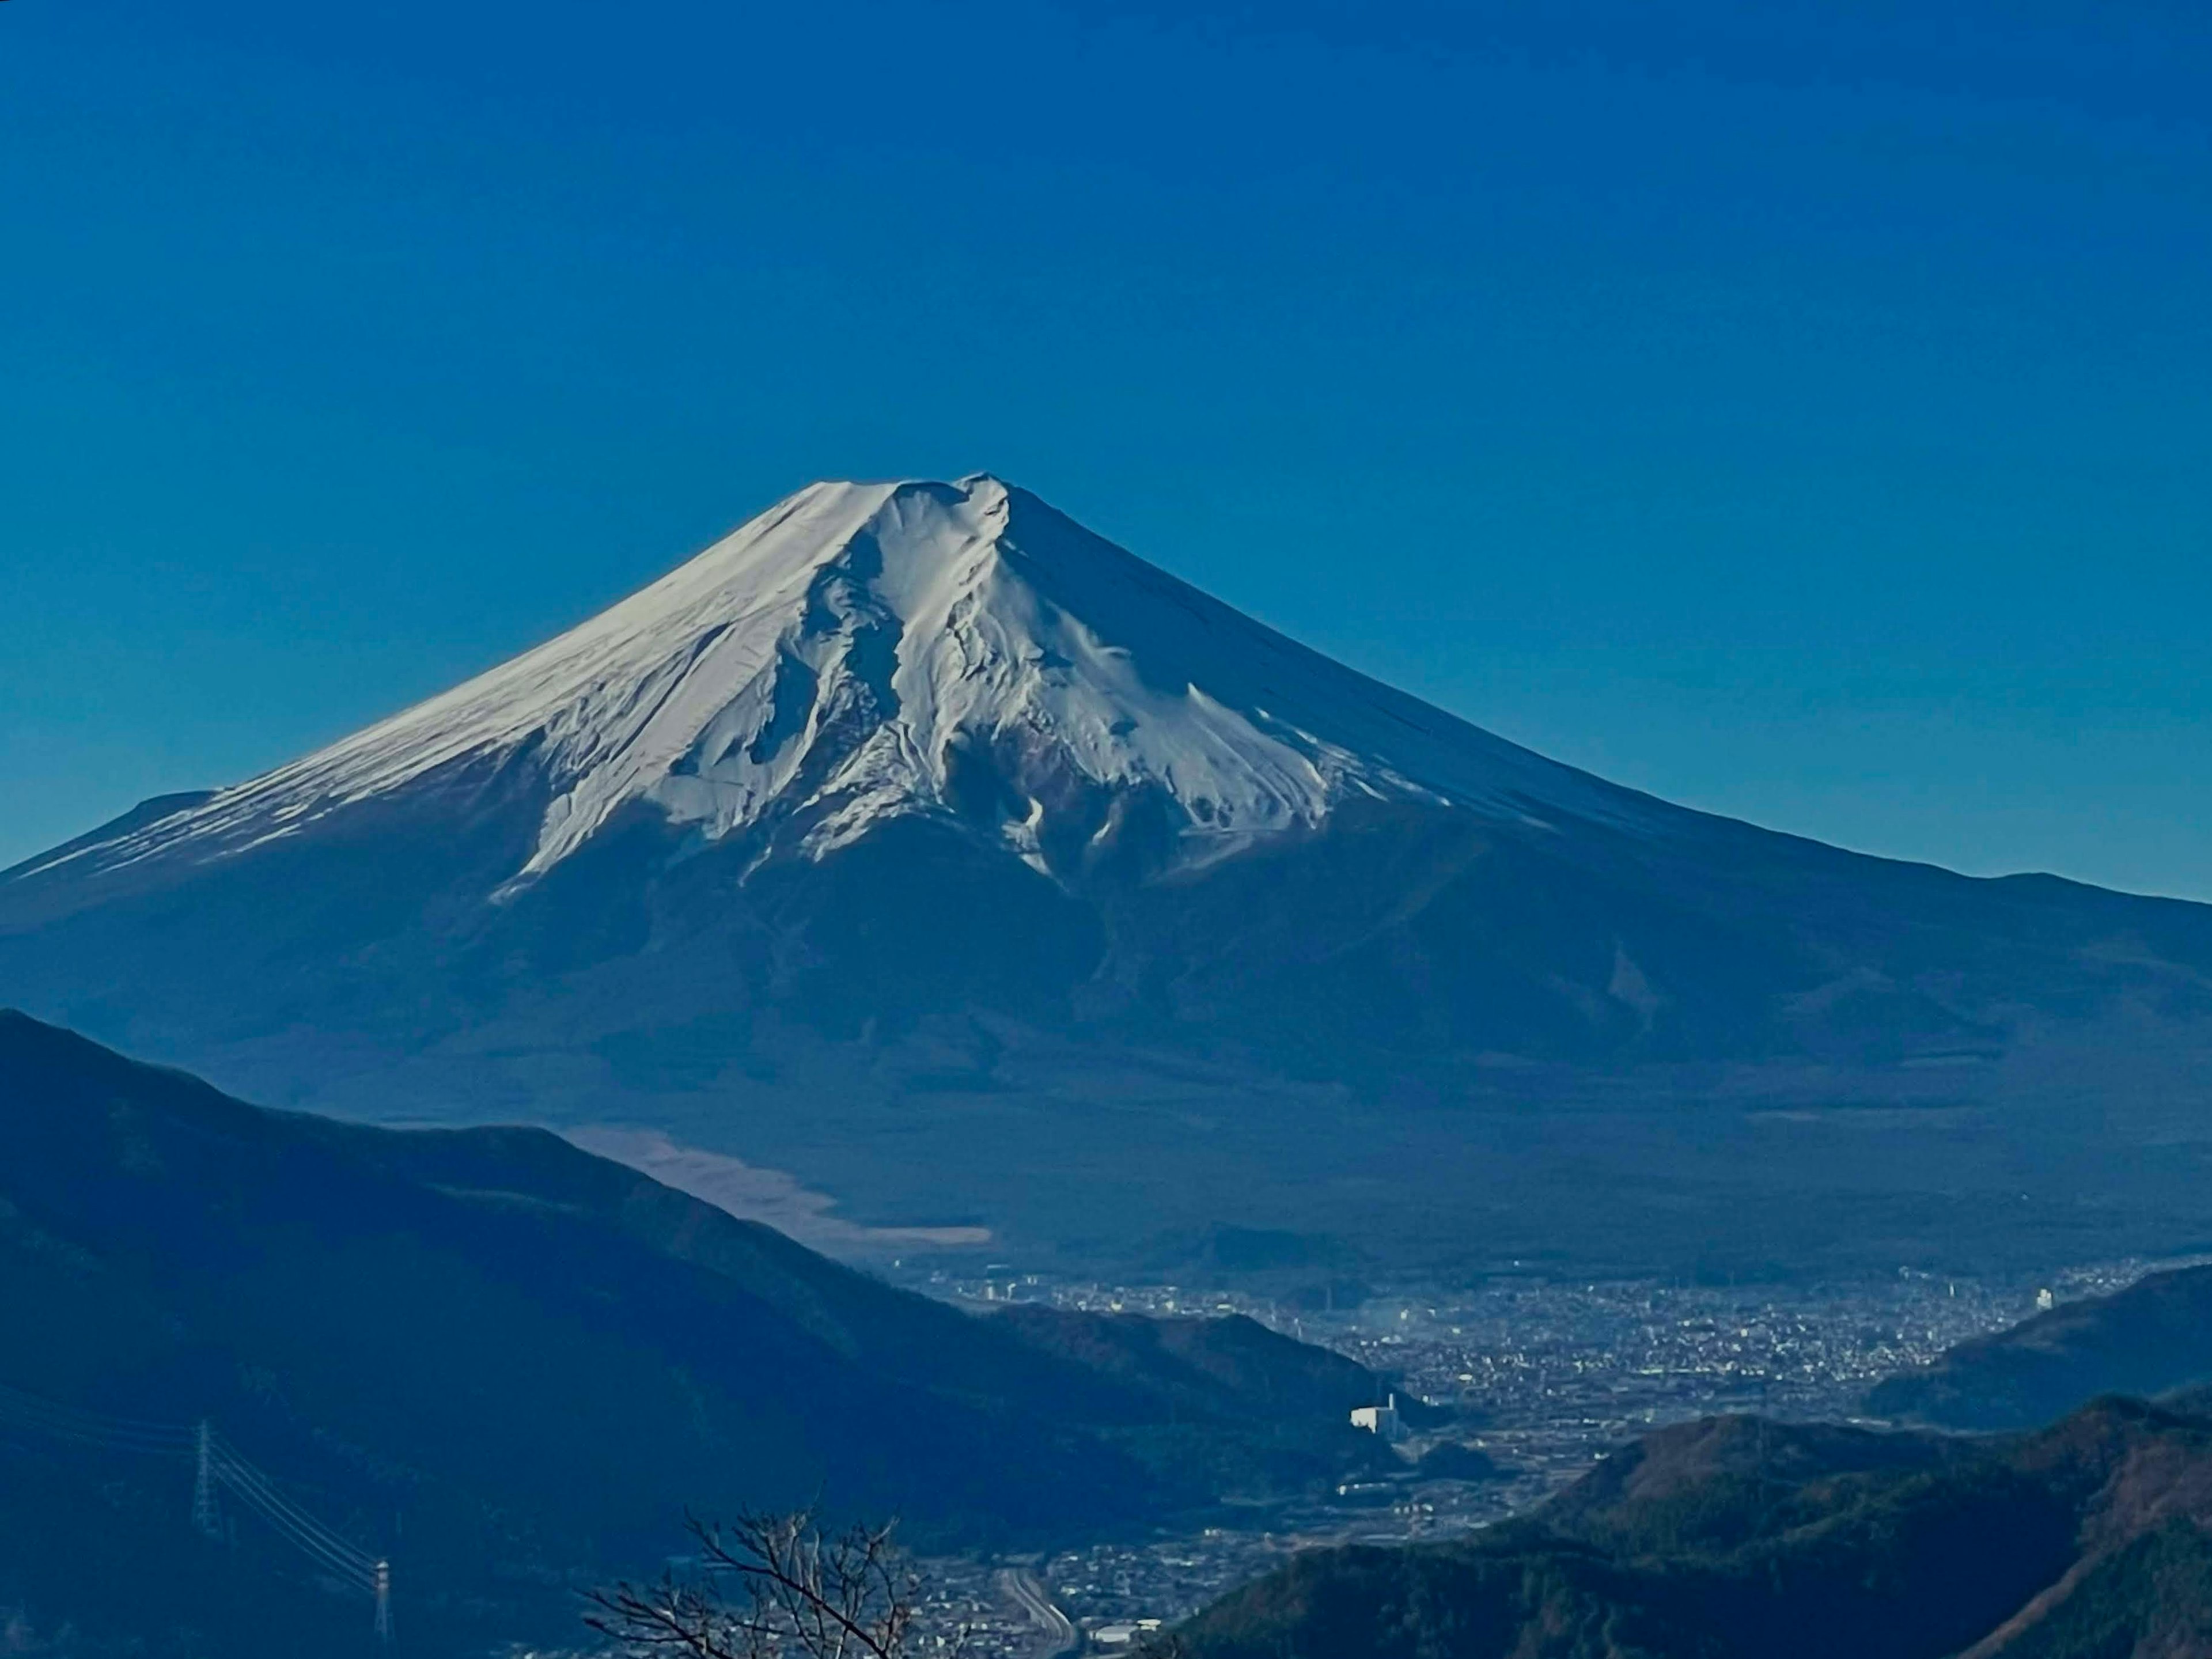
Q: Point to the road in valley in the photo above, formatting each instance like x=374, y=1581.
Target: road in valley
x=1056, y=1633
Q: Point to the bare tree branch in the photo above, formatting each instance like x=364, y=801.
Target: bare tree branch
x=769, y=1586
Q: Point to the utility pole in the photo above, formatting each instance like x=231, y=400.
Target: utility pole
x=203, y=1514
x=384, y=1603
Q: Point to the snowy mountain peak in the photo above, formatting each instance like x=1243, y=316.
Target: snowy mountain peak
x=864, y=651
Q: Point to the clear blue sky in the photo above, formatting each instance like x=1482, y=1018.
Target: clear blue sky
x=1803, y=411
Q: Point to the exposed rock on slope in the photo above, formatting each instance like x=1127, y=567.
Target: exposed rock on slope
x=865, y=652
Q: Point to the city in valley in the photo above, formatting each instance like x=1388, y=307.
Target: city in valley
x=1114, y=829
x=1544, y=1376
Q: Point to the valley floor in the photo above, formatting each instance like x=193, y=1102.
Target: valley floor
x=1545, y=1377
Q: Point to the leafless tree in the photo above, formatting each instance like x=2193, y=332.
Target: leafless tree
x=770, y=1587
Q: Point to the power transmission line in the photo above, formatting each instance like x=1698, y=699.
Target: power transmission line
x=59, y=1422
x=217, y=1464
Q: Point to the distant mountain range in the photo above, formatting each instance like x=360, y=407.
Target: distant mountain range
x=916, y=842
x=1734, y=1538
x=508, y=1364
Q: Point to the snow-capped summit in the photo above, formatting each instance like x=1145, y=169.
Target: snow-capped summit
x=917, y=842
x=864, y=651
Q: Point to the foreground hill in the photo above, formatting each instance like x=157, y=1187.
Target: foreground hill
x=2151, y=1338
x=504, y=1363
x=1738, y=1539
x=917, y=841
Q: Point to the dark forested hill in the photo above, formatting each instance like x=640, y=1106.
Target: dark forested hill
x=502, y=1362
x=1734, y=1538
x=2154, y=1336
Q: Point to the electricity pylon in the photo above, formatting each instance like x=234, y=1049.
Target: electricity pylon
x=203, y=1514
x=384, y=1603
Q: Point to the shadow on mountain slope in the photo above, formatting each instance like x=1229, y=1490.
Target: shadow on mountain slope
x=502, y=1361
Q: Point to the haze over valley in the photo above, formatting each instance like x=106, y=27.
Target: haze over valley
x=1328, y=1108
x=959, y=868
x=1503, y=950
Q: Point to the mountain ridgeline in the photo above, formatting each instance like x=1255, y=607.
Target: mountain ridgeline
x=917, y=841
x=1735, y=1538
x=2155, y=1337
x=505, y=1364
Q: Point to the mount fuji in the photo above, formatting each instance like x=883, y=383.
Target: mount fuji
x=917, y=849
x=862, y=653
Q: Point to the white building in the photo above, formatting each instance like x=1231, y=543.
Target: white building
x=1380, y=1419
x=1124, y=1634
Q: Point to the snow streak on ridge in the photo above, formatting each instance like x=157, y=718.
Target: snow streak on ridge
x=860, y=652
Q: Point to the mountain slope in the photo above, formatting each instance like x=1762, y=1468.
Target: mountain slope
x=1736, y=1537
x=2151, y=1338
x=505, y=1362
x=916, y=816
x=866, y=650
